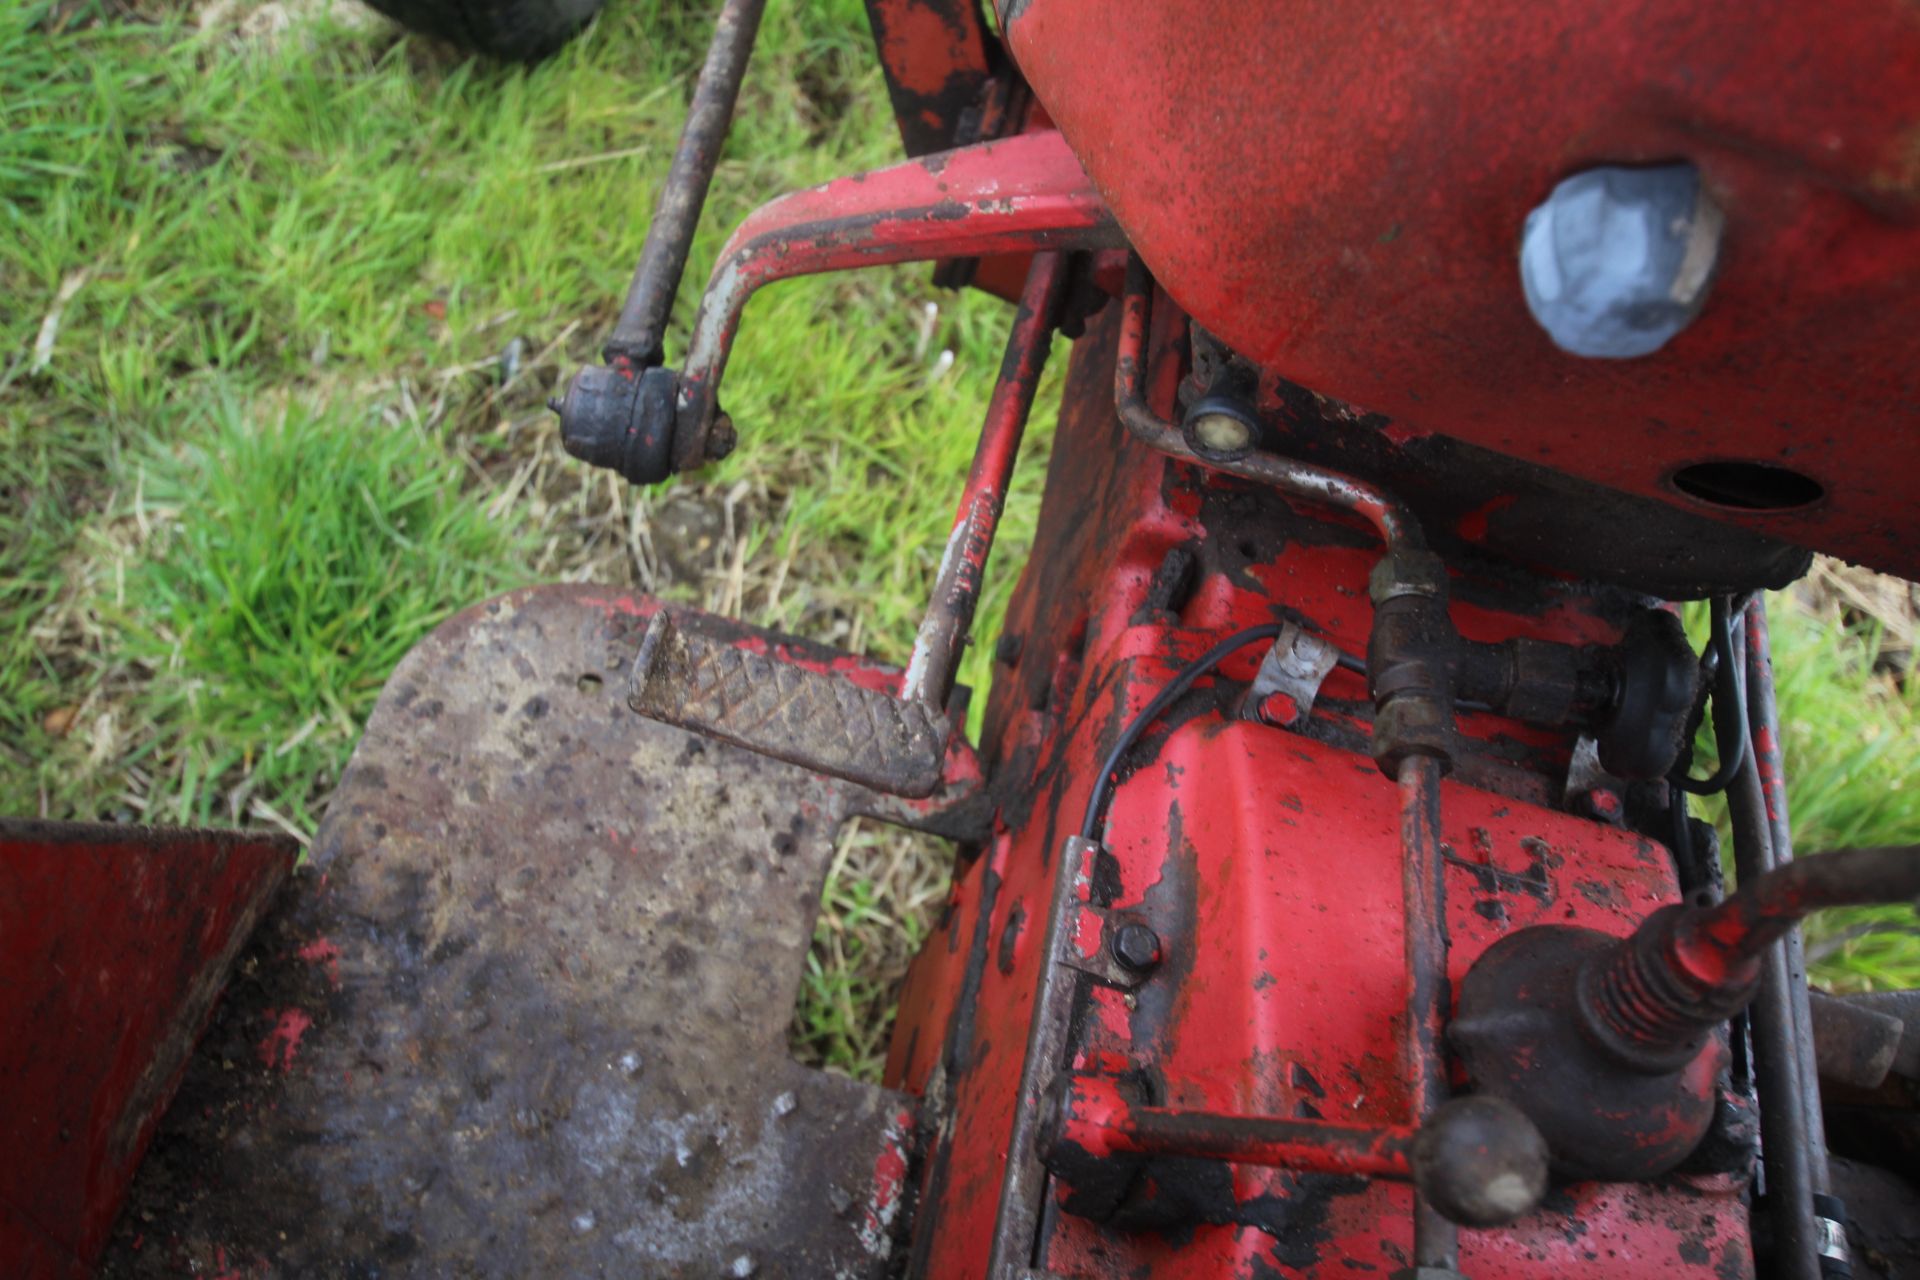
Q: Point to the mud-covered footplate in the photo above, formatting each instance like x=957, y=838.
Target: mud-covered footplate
x=525, y=1014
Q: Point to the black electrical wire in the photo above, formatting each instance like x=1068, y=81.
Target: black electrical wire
x=1729, y=708
x=1103, y=786
x=1681, y=839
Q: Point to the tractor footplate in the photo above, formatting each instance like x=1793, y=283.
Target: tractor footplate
x=525, y=1013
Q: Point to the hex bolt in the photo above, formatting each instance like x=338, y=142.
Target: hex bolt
x=1136, y=947
x=1617, y=261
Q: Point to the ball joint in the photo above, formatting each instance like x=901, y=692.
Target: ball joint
x=621, y=417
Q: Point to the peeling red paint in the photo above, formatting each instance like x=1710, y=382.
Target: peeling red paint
x=1267, y=860
x=1473, y=525
x=324, y=951
x=280, y=1045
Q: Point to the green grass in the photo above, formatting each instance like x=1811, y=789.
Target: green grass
x=289, y=563
x=880, y=898
x=288, y=274
x=324, y=283
x=1851, y=735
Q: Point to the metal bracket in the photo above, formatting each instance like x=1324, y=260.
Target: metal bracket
x=1087, y=946
x=1589, y=788
x=1296, y=666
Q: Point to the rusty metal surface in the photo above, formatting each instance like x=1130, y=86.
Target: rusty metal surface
x=663, y=258
x=1093, y=1114
x=1023, y=1179
x=1904, y=1005
x=754, y=697
x=938, y=59
x=1853, y=1043
x=1335, y=192
x=1266, y=863
x=115, y=942
x=956, y=590
x=1883, y=1220
x=527, y=1014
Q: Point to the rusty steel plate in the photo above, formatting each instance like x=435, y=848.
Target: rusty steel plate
x=526, y=1013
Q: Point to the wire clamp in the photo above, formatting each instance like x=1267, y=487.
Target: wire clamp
x=1289, y=678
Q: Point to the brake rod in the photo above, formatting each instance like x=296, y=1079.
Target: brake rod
x=639, y=335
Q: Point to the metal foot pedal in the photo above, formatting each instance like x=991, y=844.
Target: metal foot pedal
x=753, y=689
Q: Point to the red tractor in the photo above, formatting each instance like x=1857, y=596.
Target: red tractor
x=1327, y=902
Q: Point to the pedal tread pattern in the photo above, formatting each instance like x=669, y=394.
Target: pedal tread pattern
x=817, y=720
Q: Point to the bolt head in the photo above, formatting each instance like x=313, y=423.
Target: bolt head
x=1220, y=425
x=1617, y=261
x=1136, y=947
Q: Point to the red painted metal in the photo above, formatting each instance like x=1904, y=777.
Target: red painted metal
x=115, y=942
x=1333, y=193
x=1269, y=864
x=1720, y=946
x=938, y=58
x=1097, y=1117
x=956, y=589
x=1336, y=192
x=1024, y=193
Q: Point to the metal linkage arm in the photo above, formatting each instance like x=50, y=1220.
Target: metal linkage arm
x=1024, y=194
x=642, y=326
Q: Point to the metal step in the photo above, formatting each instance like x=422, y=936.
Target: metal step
x=750, y=688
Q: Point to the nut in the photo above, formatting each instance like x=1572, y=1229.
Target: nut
x=1136, y=947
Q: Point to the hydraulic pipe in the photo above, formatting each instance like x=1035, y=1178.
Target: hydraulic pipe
x=1436, y=1241
x=1783, y=1114
x=1396, y=525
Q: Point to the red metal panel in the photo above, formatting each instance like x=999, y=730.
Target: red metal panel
x=115, y=942
x=1268, y=863
x=1337, y=191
